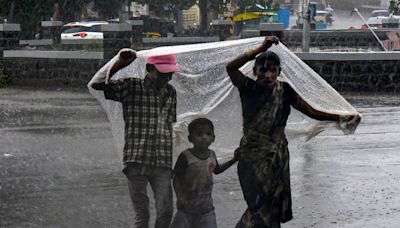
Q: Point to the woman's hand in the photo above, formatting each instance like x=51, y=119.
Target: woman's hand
x=181, y=202
x=269, y=40
x=354, y=121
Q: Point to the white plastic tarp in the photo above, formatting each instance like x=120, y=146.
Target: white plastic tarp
x=205, y=89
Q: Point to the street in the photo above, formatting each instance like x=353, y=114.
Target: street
x=60, y=168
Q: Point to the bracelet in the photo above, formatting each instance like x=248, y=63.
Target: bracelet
x=250, y=53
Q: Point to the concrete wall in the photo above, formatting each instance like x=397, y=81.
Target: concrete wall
x=353, y=72
x=9, y=39
x=51, y=69
x=335, y=39
x=363, y=72
x=357, y=72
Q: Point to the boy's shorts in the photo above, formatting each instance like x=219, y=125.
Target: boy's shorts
x=185, y=220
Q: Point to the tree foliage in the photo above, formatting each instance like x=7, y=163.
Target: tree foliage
x=108, y=8
x=394, y=6
x=250, y=4
x=205, y=7
x=29, y=13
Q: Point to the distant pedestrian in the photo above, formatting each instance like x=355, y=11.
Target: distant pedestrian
x=329, y=10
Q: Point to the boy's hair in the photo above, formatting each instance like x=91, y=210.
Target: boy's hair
x=199, y=122
x=268, y=56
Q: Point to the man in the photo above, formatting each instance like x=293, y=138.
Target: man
x=329, y=14
x=149, y=109
x=263, y=166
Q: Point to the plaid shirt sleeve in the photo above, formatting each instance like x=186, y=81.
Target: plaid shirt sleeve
x=118, y=90
x=172, y=115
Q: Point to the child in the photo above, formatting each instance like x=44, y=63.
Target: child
x=193, y=180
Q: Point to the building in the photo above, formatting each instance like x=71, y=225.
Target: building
x=191, y=17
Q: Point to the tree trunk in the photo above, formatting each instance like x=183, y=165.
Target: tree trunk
x=10, y=17
x=203, y=17
x=179, y=20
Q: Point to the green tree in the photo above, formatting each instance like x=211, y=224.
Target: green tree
x=243, y=4
x=109, y=8
x=205, y=7
x=246, y=5
x=71, y=10
x=28, y=13
x=394, y=6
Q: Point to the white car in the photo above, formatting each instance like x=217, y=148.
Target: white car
x=82, y=30
x=377, y=22
x=377, y=13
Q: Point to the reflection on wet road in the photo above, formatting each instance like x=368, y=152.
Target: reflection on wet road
x=59, y=168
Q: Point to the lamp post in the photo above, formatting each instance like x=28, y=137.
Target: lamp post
x=306, y=26
x=366, y=23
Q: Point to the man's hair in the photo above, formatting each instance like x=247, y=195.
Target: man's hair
x=150, y=67
x=268, y=56
x=200, y=122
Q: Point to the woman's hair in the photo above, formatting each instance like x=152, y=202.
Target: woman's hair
x=200, y=122
x=268, y=56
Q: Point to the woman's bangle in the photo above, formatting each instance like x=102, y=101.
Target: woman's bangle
x=250, y=53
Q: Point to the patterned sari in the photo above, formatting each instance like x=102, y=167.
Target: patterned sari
x=264, y=165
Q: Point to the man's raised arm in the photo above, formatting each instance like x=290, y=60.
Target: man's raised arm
x=125, y=58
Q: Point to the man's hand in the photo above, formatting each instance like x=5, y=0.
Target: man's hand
x=125, y=58
x=269, y=40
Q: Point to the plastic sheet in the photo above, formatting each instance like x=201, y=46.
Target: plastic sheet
x=205, y=89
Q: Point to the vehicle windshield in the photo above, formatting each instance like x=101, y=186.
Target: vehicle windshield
x=75, y=29
x=380, y=13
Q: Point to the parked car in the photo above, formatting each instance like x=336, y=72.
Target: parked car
x=374, y=22
x=377, y=13
x=82, y=30
x=382, y=22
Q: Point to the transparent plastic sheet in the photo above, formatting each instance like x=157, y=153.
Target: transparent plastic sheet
x=204, y=89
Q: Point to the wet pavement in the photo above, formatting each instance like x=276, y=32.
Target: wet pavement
x=59, y=168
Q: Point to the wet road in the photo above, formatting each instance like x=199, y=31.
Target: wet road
x=343, y=19
x=59, y=168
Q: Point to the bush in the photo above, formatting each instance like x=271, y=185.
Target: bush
x=3, y=79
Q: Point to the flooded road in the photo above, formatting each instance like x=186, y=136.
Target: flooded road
x=59, y=168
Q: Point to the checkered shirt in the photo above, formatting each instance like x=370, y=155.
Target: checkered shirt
x=148, y=128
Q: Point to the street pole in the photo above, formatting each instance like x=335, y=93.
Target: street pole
x=128, y=5
x=370, y=29
x=306, y=26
